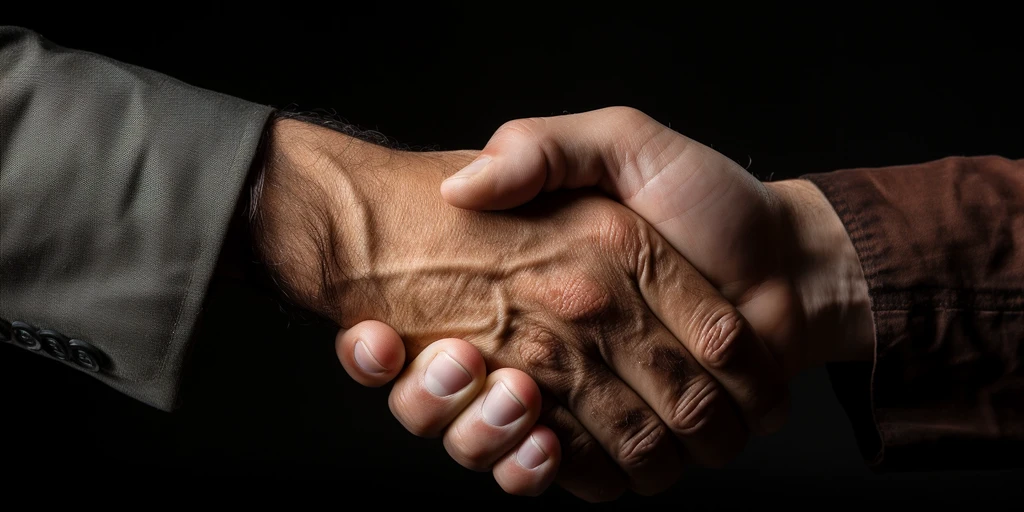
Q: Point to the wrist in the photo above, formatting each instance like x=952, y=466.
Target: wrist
x=827, y=276
x=299, y=213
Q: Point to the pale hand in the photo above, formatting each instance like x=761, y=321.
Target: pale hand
x=778, y=251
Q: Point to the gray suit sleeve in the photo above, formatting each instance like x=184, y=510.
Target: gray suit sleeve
x=117, y=186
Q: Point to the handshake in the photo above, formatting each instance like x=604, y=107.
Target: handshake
x=646, y=316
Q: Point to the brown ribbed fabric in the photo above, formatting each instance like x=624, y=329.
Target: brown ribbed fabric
x=942, y=248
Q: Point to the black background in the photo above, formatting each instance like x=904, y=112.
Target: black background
x=785, y=91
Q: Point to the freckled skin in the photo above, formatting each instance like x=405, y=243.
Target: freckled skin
x=576, y=297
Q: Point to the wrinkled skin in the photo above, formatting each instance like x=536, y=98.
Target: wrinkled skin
x=574, y=289
x=776, y=250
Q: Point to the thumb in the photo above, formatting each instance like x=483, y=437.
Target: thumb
x=371, y=352
x=527, y=156
x=488, y=183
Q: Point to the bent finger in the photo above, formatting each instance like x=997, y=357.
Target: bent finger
x=437, y=386
x=586, y=470
x=496, y=421
x=371, y=352
x=529, y=468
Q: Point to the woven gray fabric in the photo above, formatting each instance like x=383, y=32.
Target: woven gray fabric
x=117, y=185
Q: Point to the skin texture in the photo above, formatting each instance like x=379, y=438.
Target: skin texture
x=644, y=365
x=510, y=451
x=777, y=250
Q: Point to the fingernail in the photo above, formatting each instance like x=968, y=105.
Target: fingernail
x=530, y=454
x=473, y=168
x=365, y=359
x=501, y=407
x=445, y=376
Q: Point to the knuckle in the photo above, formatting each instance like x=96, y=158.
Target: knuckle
x=586, y=383
x=652, y=255
x=472, y=456
x=528, y=128
x=616, y=229
x=581, y=446
x=540, y=351
x=627, y=116
x=689, y=415
x=718, y=336
x=474, y=460
x=417, y=425
x=642, y=445
x=419, y=428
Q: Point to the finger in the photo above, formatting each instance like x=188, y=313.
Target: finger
x=686, y=397
x=532, y=465
x=602, y=147
x=624, y=425
x=622, y=150
x=673, y=182
x=495, y=421
x=371, y=352
x=586, y=469
x=714, y=332
x=437, y=386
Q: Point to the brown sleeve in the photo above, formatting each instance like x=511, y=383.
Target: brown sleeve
x=942, y=248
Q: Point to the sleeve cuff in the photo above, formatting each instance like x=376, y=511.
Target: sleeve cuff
x=940, y=254
x=853, y=382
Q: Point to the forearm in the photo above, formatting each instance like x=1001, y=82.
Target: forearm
x=291, y=223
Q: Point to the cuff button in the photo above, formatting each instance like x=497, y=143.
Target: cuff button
x=24, y=335
x=54, y=344
x=85, y=356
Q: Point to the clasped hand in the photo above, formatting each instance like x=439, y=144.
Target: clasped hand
x=649, y=319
